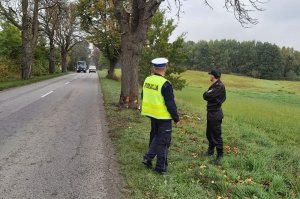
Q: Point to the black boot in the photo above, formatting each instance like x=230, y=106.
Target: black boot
x=220, y=153
x=161, y=172
x=210, y=152
x=147, y=163
x=217, y=161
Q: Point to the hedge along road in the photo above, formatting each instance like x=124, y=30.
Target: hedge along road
x=54, y=141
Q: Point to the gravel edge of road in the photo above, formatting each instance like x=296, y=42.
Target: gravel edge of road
x=105, y=128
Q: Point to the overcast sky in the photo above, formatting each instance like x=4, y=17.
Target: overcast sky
x=279, y=23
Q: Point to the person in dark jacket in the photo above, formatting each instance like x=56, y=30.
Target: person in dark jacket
x=159, y=105
x=215, y=97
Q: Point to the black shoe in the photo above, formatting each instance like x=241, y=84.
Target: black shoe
x=147, y=163
x=218, y=160
x=161, y=172
x=207, y=154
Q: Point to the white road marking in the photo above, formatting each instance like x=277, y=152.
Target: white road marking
x=67, y=83
x=47, y=94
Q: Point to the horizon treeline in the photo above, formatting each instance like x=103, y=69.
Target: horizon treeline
x=251, y=58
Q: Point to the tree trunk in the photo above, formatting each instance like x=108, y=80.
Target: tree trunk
x=26, y=43
x=131, y=50
x=111, y=70
x=52, y=57
x=27, y=58
x=63, y=60
x=29, y=37
x=134, y=23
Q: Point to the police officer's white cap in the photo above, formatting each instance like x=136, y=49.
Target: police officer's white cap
x=160, y=62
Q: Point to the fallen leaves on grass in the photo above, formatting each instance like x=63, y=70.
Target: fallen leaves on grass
x=190, y=167
x=248, y=181
x=194, y=155
x=203, y=166
x=194, y=139
x=229, y=149
x=185, y=117
x=222, y=197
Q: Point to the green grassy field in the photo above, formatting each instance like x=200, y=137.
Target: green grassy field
x=261, y=132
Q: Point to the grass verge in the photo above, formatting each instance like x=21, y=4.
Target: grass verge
x=19, y=82
x=257, y=164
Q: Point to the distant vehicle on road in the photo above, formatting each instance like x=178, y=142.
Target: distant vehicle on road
x=81, y=66
x=92, y=68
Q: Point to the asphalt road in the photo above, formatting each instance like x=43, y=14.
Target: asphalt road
x=54, y=141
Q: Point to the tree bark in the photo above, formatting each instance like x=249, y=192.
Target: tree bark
x=26, y=44
x=27, y=58
x=52, y=56
x=29, y=37
x=131, y=50
x=63, y=60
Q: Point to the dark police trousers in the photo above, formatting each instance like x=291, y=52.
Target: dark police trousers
x=152, y=132
x=161, y=131
x=214, y=136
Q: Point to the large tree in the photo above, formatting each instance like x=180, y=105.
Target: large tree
x=68, y=33
x=98, y=20
x=269, y=61
x=50, y=23
x=134, y=17
x=29, y=26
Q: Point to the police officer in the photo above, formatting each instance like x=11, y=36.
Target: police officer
x=158, y=104
x=215, y=97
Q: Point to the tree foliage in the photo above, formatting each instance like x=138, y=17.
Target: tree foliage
x=10, y=40
x=40, y=58
x=80, y=52
x=25, y=17
x=34, y=19
x=68, y=33
x=159, y=45
x=49, y=18
x=98, y=20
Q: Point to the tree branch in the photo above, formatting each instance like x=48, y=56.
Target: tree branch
x=241, y=10
x=9, y=15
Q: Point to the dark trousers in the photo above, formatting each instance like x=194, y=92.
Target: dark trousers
x=152, y=132
x=214, y=136
x=161, y=140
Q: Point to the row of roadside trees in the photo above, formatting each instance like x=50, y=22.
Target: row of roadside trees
x=38, y=25
x=256, y=59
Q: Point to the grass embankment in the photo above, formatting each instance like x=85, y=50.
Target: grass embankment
x=260, y=131
x=19, y=82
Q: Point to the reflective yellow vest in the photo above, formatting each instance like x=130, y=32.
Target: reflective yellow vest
x=153, y=104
